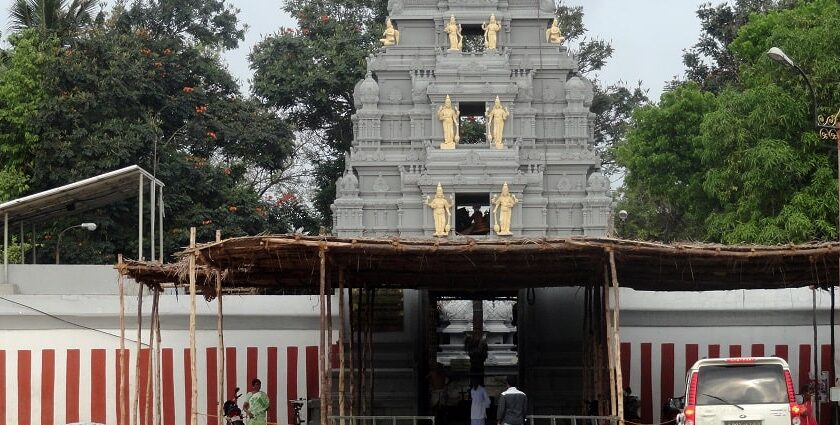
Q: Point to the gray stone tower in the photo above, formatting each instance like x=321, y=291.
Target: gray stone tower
x=548, y=160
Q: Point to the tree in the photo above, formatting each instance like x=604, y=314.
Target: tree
x=53, y=17
x=145, y=86
x=21, y=93
x=709, y=62
x=309, y=73
x=757, y=171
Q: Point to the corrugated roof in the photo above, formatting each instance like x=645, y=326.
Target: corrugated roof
x=76, y=197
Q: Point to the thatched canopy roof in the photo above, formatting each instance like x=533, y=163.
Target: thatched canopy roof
x=288, y=263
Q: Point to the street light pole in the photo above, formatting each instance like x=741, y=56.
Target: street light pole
x=87, y=226
x=828, y=129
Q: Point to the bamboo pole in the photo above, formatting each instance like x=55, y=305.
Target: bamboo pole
x=136, y=403
x=220, y=366
x=341, y=363
x=158, y=375
x=151, y=366
x=321, y=346
x=193, y=377
x=617, y=341
x=328, y=344
x=354, y=354
x=610, y=350
x=361, y=339
x=371, y=300
x=122, y=413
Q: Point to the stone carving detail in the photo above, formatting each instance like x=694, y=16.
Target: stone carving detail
x=348, y=184
x=395, y=95
x=380, y=185
x=597, y=182
x=368, y=91
x=472, y=158
x=395, y=6
x=564, y=184
x=549, y=94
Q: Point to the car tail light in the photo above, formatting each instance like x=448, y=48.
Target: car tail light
x=796, y=410
x=741, y=360
x=689, y=411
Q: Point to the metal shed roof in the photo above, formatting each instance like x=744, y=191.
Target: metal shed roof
x=76, y=197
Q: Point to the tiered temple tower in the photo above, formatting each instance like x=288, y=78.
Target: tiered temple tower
x=547, y=157
x=438, y=62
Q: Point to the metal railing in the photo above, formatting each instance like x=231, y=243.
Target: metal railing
x=376, y=420
x=571, y=420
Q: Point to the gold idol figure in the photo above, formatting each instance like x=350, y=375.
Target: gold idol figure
x=496, y=123
x=490, y=32
x=441, y=211
x=454, y=31
x=448, y=117
x=553, y=35
x=391, y=36
x=504, y=201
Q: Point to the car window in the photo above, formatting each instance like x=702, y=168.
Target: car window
x=741, y=384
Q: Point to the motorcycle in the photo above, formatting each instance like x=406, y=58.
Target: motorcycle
x=233, y=414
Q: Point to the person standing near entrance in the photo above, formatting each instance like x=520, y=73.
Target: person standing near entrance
x=480, y=402
x=512, y=405
x=256, y=404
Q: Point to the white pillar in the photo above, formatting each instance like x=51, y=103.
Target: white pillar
x=160, y=223
x=140, y=220
x=6, y=248
x=152, y=188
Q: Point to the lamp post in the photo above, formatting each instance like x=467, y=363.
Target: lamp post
x=87, y=226
x=829, y=129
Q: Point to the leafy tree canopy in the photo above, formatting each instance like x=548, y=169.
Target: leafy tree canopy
x=743, y=166
x=145, y=86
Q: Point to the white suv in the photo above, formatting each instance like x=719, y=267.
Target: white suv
x=740, y=391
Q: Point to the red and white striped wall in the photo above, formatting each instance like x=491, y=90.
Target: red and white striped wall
x=59, y=385
x=654, y=361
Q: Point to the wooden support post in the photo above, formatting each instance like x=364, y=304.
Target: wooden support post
x=122, y=409
x=149, y=394
x=371, y=303
x=158, y=383
x=617, y=341
x=220, y=365
x=321, y=345
x=193, y=377
x=354, y=355
x=328, y=344
x=341, y=363
x=611, y=359
x=136, y=403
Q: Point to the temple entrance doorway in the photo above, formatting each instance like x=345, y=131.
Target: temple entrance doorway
x=472, y=341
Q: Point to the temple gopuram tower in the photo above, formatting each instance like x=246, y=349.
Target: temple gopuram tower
x=399, y=154
x=473, y=121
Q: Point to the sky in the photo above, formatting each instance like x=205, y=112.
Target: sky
x=648, y=36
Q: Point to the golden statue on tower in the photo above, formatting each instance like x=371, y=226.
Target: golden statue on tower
x=503, y=202
x=553, y=34
x=453, y=29
x=491, y=31
x=496, y=123
x=391, y=36
x=441, y=211
x=448, y=116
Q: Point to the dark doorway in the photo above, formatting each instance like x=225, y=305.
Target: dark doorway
x=472, y=214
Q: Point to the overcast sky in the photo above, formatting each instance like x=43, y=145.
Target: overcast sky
x=648, y=35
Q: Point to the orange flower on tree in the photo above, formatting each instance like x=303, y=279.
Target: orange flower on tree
x=232, y=208
x=188, y=89
x=211, y=134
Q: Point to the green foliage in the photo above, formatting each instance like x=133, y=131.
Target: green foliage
x=472, y=130
x=752, y=169
x=309, y=73
x=145, y=86
x=58, y=18
x=663, y=184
